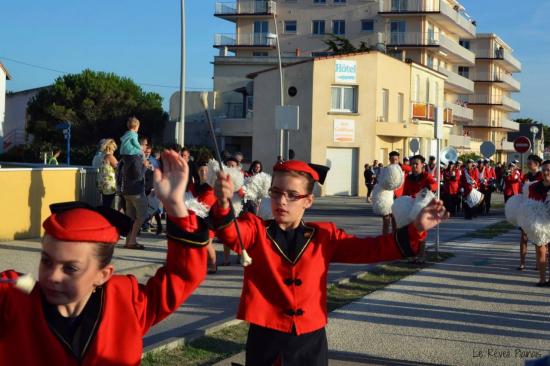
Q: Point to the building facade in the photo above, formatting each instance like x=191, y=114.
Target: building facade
x=353, y=109
x=4, y=76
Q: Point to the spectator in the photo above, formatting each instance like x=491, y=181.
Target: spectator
x=98, y=157
x=55, y=155
x=369, y=180
x=129, y=142
x=152, y=200
x=255, y=168
x=106, y=177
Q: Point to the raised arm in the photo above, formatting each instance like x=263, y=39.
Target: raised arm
x=185, y=266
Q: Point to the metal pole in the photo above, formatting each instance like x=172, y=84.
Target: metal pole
x=69, y=144
x=181, y=127
x=438, y=173
x=282, y=152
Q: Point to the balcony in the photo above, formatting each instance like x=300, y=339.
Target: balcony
x=459, y=141
x=509, y=125
x=505, y=81
x=499, y=101
x=460, y=113
x=246, y=40
x=234, y=127
x=423, y=111
x=448, y=48
x=505, y=124
x=452, y=19
x=502, y=57
x=456, y=83
x=232, y=10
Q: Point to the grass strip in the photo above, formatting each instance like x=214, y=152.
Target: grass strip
x=492, y=231
x=231, y=340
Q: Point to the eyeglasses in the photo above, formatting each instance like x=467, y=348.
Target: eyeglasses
x=290, y=196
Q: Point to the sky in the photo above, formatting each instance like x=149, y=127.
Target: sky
x=42, y=40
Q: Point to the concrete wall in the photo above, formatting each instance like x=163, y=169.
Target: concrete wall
x=26, y=195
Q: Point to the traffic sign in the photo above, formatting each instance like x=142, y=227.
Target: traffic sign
x=487, y=149
x=414, y=145
x=522, y=144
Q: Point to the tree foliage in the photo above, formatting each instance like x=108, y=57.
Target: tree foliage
x=97, y=104
x=340, y=45
x=545, y=128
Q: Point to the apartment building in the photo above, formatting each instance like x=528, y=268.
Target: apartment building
x=492, y=102
x=439, y=34
x=353, y=109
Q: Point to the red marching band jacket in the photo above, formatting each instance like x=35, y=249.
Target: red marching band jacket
x=538, y=192
x=512, y=183
x=415, y=183
x=281, y=294
x=487, y=176
x=530, y=178
x=451, y=181
x=466, y=184
x=128, y=308
x=406, y=170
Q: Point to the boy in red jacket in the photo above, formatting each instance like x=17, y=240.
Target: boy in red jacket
x=284, y=291
x=79, y=312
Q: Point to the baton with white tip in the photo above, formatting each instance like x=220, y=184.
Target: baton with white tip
x=245, y=258
x=24, y=283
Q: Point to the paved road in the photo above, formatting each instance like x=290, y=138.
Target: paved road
x=215, y=302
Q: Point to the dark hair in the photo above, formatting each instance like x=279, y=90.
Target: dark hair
x=230, y=159
x=535, y=158
x=418, y=157
x=545, y=162
x=250, y=171
x=394, y=153
x=294, y=173
x=104, y=254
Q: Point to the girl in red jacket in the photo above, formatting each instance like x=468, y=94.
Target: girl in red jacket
x=79, y=312
x=284, y=291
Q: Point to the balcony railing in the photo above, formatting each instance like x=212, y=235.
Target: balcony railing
x=453, y=47
x=243, y=40
x=459, y=141
x=245, y=7
x=453, y=15
x=423, y=111
x=510, y=62
x=460, y=112
x=499, y=100
x=505, y=146
x=509, y=125
x=511, y=83
x=456, y=82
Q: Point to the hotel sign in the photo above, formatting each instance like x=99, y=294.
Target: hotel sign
x=345, y=71
x=344, y=130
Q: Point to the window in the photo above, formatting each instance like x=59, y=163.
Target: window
x=344, y=98
x=430, y=61
x=319, y=1
x=398, y=28
x=428, y=91
x=464, y=43
x=260, y=54
x=464, y=71
x=385, y=104
x=319, y=27
x=321, y=54
x=400, y=107
x=367, y=25
x=416, y=97
x=339, y=1
x=290, y=26
x=339, y=27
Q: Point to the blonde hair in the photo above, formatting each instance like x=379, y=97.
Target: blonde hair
x=133, y=122
x=108, y=147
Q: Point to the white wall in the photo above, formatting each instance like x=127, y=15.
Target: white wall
x=2, y=106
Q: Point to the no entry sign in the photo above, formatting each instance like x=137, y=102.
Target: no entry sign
x=522, y=144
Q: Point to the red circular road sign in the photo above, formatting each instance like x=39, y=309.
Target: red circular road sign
x=522, y=144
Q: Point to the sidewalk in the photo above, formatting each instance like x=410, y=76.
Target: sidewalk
x=474, y=309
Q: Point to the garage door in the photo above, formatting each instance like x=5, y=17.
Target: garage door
x=342, y=177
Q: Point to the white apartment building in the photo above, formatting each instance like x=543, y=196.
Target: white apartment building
x=4, y=76
x=439, y=34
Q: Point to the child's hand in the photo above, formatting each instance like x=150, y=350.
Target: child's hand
x=223, y=189
x=431, y=216
x=171, y=182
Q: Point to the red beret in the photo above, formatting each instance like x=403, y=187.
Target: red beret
x=81, y=224
x=297, y=166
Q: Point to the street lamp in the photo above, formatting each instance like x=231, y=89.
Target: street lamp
x=534, y=130
x=181, y=129
x=282, y=152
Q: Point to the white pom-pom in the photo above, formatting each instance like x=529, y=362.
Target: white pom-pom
x=245, y=259
x=264, y=209
x=237, y=177
x=199, y=208
x=237, y=204
x=213, y=169
x=382, y=201
x=391, y=177
x=400, y=209
x=25, y=283
x=257, y=187
x=512, y=208
x=534, y=219
x=422, y=199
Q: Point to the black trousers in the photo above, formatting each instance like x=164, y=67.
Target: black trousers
x=264, y=346
x=486, y=205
